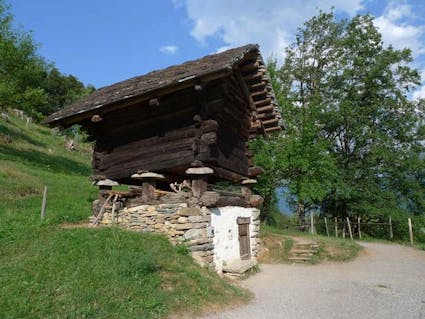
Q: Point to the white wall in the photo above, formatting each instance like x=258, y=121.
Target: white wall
x=226, y=233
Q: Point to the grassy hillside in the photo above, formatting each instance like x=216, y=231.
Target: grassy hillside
x=48, y=271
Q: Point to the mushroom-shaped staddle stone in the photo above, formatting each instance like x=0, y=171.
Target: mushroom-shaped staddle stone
x=107, y=182
x=247, y=182
x=147, y=175
x=199, y=171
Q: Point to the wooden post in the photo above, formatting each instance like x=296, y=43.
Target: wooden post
x=199, y=179
x=312, y=223
x=336, y=226
x=358, y=225
x=113, y=209
x=246, y=188
x=148, y=184
x=43, y=203
x=349, y=228
x=343, y=229
x=326, y=225
x=409, y=222
x=391, y=228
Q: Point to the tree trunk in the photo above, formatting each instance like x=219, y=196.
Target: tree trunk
x=301, y=215
x=267, y=204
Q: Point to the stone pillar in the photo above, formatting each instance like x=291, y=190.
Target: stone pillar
x=199, y=179
x=148, y=184
x=246, y=188
x=105, y=186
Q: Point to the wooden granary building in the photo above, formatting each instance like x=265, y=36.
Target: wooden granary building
x=187, y=125
x=204, y=110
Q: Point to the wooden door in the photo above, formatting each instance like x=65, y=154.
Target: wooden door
x=244, y=245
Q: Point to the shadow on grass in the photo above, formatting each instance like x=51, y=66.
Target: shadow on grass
x=16, y=133
x=53, y=163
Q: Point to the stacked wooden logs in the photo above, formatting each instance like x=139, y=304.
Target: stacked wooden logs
x=266, y=117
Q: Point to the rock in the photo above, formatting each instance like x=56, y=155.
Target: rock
x=199, y=171
x=147, y=175
x=255, y=214
x=199, y=219
x=256, y=222
x=190, y=211
x=195, y=234
x=137, y=208
x=106, y=182
x=203, y=253
x=158, y=226
x=190, y=226
x=209, y=198
x=199, y=241
x=256, y=200
x=182, y=220
x=249, y=181
x=202, y=247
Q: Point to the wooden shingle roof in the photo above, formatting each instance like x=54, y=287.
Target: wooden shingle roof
x=214, y=65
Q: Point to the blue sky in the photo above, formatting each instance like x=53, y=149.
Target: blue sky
x=102, y=42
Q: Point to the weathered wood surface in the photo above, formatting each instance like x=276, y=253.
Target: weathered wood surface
x=211, y=125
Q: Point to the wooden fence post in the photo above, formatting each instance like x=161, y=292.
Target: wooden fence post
x=358, y=225
x=326, y=225
x=391, y=228
x=409, y=222
x=336, y=226
x=43, y=204
x=349, y=228
x=312, y=223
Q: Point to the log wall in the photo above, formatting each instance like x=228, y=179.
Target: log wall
x=211, y=125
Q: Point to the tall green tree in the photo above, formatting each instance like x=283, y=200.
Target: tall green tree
x=346, y=94
x=21, y=68
x=27, y=81
x=297, y=158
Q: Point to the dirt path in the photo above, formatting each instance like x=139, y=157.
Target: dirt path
x=385, y=281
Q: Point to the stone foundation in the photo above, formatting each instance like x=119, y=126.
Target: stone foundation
x=191, y=226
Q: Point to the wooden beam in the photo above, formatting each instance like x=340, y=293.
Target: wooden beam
x=264, y=109
x=272, y=129
x=272, y=121
x=263, y=102
x=256, y=86
x=249, y=67
x=226, y=174
x=259, y=93
x=254, y=76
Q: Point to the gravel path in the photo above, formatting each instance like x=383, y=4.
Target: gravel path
x=385, y=281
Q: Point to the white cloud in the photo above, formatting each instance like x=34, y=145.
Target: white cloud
x=270, y=23
x=169, y=49
x=396, y=30
x=419, y=94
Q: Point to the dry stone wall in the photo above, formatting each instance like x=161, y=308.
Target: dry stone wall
x=181, y=224
x=203, y=230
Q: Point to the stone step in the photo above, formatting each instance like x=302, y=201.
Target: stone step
x=305, y=245
x=304, y=255
x=303, y=251
x=299, y=259
x=239, y=267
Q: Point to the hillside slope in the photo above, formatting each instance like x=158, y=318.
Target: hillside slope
x=47, y=271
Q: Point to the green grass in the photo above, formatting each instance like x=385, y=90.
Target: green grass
x=330, y=249
x=47, y=271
